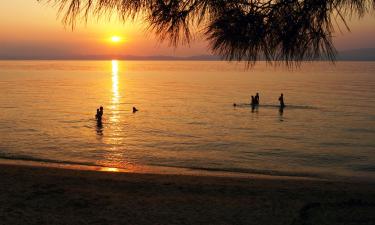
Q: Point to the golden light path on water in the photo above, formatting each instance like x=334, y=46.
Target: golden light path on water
x=115, y=92
x=114, y=129
x=115, y=138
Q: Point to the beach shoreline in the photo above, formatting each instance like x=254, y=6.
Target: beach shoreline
x=171, y=170
x=47, y=195
x=177, y=171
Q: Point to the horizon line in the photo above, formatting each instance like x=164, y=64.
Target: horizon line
x=360, y=54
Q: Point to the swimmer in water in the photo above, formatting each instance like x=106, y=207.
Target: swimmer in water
x=281, y=100
x=257, y=99
x=99, y=114
x=252, y=103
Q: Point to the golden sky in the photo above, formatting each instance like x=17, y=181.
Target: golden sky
x=30, y=28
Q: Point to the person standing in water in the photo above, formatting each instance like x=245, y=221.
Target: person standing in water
x=101, y=111
x=257, y=99
x=99, y=114
x=281, y=100
x=252, y=103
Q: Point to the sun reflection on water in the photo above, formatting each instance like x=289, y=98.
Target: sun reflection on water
x=113, y=138
x=115, y=91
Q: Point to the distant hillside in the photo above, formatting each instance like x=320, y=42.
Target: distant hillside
x=108, y=57
x=153, y=57
x=365, y=54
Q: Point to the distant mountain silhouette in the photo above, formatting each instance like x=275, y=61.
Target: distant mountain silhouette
x=365, y=54
x=150, y=57
x=119, y=57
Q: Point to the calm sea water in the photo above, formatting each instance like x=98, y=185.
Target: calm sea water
x=186, y=117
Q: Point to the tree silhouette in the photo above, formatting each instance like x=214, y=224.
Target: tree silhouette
x=282, y=30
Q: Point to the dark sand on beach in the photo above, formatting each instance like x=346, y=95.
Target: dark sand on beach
x=39, y=195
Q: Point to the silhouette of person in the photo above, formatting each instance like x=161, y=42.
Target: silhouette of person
x=134, y=109
x=101, y=110
x=281, y=100
x=99, y=114
x=99, y=124
x=257, y=99
x=252, y=103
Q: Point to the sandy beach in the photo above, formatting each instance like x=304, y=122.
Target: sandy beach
x=41, y=195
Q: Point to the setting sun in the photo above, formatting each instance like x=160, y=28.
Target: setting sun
x=115, y=39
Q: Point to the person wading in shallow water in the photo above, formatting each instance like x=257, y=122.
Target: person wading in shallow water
x=281, y=100
x=253, y=102
x=99, y=114
x=257, y=99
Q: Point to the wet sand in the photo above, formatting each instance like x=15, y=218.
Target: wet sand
x=40, y=195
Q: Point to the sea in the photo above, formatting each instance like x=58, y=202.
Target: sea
x=186, y=120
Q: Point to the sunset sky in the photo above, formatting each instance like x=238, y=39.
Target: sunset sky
x=32, y=29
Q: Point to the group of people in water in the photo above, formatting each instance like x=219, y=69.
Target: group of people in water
x=99, y=113
x=255, y=100
x=254, y=103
